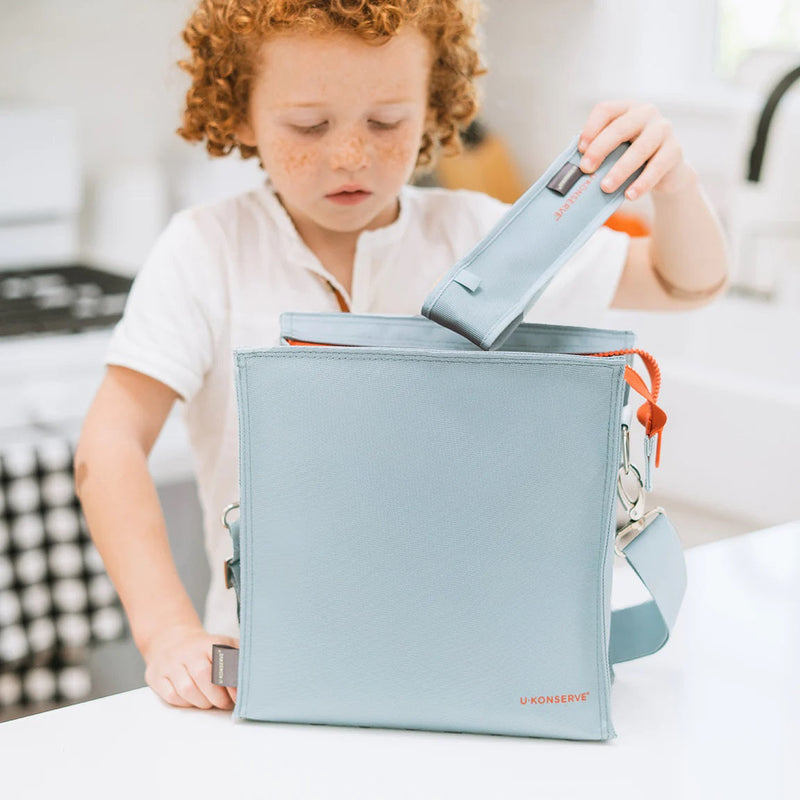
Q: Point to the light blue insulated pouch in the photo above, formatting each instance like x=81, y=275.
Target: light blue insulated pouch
x=485, y=295
x=426, y=529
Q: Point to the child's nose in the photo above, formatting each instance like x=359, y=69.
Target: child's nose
x=350, y=153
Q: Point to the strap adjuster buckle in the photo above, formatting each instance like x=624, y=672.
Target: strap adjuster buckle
x=627, y=533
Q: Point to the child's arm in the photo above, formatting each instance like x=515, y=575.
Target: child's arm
x=684, y=264
x=122, y=509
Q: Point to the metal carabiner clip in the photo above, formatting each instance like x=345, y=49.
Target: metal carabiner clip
x=626, y=449
x=225, y=513
x=633, y=505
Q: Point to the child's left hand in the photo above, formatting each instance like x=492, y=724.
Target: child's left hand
x=611, y=123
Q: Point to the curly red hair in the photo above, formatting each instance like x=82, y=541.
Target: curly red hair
x=224, y=36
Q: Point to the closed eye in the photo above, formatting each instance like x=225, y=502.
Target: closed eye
x=308, y=129
x=384, y=126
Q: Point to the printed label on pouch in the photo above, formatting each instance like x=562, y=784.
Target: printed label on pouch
x=569, y=201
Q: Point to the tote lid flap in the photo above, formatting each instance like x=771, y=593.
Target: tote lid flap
x=485, y=295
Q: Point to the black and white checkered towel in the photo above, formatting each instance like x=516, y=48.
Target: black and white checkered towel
x=55, y=597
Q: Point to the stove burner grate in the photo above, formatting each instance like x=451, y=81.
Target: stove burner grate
x=69, y=298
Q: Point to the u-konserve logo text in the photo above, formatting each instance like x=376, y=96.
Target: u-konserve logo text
x=547, y=699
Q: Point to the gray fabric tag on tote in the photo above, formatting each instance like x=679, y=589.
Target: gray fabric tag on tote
x=224, y=665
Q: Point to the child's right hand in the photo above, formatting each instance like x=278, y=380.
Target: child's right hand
x=178, y=668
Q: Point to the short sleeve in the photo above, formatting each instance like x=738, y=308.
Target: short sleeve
x=484, y=213
x=173, y=312
x=584, y=288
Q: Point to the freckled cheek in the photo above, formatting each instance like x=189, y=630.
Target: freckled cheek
x=292, y=158
x=397, y=153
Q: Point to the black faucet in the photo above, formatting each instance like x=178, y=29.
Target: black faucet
x=764, y=122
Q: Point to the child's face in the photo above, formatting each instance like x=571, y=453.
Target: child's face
x=338, y=123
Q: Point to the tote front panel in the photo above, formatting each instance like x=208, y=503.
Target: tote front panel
x=426, y=538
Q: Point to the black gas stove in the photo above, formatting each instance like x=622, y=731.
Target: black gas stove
x=69, y=298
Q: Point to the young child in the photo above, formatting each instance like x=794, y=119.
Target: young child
x=341, y=101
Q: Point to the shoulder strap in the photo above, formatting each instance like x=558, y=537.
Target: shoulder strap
x=654, y=551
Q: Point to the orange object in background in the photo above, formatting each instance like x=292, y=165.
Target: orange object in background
x=632, y=224
x=484, y=165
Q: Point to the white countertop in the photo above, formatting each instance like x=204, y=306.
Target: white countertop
x=715, y=714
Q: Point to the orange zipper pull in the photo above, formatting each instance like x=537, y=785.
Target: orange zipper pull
x=652, y=416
